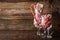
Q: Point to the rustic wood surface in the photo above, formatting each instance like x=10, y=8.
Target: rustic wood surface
x=16, y=21
x=23, y=35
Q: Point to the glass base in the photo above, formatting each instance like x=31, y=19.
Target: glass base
x=41, y=35
x=49, y=36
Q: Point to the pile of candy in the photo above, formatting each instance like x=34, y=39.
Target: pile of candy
x=40, y=20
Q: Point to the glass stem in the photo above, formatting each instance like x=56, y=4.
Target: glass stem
x=47, y=31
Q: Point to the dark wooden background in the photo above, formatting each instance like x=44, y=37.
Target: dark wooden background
x=16, y=21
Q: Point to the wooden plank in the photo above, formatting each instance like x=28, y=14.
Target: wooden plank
x=20, y=0
x=15, y=5
x=17, y=17
x=16, y=24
